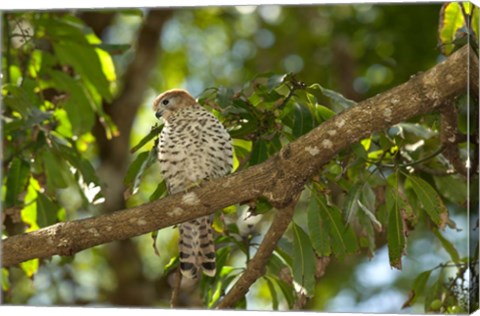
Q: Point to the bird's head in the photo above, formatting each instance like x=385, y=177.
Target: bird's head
x=172, y=101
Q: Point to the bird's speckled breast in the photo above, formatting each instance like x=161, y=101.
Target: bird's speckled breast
x=194, y=146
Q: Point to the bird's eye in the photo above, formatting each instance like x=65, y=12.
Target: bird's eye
x=165, y=102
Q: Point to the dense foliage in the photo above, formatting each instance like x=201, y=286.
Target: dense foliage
x=271, y=74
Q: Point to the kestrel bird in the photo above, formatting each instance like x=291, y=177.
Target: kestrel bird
x=194, y=147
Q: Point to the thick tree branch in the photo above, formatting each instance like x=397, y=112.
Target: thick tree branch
x=256, y=266
x=278, y=179
x=449, y=138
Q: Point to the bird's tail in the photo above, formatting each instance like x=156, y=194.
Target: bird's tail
x=197, y=250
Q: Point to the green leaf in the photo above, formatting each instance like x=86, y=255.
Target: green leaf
x=352, y=206
x=56, y=171
x=5, y=280
x=452, y=187
x=275, y=264
x=324, y=113
x=171, y=265
x=287, y=291
x=106, y=61
x=46, y=211
x=450, y=22
x=336, y=97
x=431, y=201
x=86, y=62
x=259, y=152
x=395, y=229
x=77, y=161
x=154, y=132
x=17, y=178
x=342, y=238
x=29, y=211
x=417, y=129
x=447, y=245
x=114, y=49
x=318, y=231
x=418, y=287
x=303, y=260
x=30, y=267
x=77, y=105
x=303, y=121
x=138, y=167
x=135, y=167
x=475, y=23
x=159, y=192
x=434, y=291
x=17, y=99
x=273, y=293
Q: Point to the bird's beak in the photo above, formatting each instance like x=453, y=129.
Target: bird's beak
x=158, y=114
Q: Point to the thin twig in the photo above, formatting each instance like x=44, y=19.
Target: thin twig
x=256, y=267
x=176, y=289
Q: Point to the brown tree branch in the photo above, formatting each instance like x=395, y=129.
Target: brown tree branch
x=278, y=179
x=176, y=288
x=256, y=266
x=449, y=138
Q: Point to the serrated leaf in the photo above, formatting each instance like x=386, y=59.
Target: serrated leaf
x=46, y=211
x=17, y=177
x=447, y=245
x=303, y=120
x=431, y=201
x=303, y=260
x=316, y=228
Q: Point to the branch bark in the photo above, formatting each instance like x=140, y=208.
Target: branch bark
x=256, y=266
x=278, y=179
